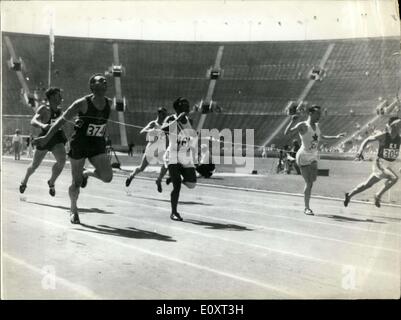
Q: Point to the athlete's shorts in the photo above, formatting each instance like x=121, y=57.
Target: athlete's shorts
x=155, y=153
x=382, y=169
x=59, y=137
x=183, y=157
x=305, y=158
x=177, y=170
x=84, y=148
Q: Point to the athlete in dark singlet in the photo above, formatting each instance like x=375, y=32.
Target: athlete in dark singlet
x=45, y=116
x=92, y=113
x=384, y=166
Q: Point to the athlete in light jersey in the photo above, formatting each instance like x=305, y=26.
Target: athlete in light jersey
x=385, y=164
x=154, y=150
x=307, y=155
x=180, y=157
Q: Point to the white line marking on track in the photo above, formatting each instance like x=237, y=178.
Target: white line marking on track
x=64, y=282
x=200, y=184
x=299, y=234
x=159, y=255
x=279, y=216
x=283, y=252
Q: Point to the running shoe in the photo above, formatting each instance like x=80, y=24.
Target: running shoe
x=308, y=212
x=176, y=217
x=128, y=181
x=52, y=190
x=159, y=185
x=377, y=201
x=74, y=218
x=22, y=188
x=347, y=200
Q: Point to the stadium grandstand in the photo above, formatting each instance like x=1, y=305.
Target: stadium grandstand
x=307, y=208
x=258, y=80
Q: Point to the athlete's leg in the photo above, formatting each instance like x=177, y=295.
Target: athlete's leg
x=371, y=181
x=141, y=168
x=77, y=166
x=162, y=173
x=103, y=170
x=175, y=175
x=309, y=178
x=38, y=157
x=391, y=179
x=60, y=156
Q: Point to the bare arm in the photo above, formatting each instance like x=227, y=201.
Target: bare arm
x=150, y=127
x=340, y=135
x=168, y=123
x=299, y=127
x=66, y=116
x=38, y=119
x=368, y=140
x=288, y=129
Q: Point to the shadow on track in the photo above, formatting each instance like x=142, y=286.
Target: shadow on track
x=132, y=233
x=81, y=210
x=217, y=226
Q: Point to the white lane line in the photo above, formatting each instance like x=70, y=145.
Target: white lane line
x=252, y=245
x=166, y=257
x=294, y=233
x=300, y=234
x=314, y=221
x=256, y=191
x=279, y=216
x=58, y=280
x=284, y=193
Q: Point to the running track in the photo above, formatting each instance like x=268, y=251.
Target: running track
x=233, y=244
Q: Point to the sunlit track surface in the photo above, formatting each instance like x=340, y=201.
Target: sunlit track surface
x=232, y=244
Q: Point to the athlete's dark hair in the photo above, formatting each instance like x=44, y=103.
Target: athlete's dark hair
x=314, y=108
x=51, y=91
x=179, y=104
x=92, y=79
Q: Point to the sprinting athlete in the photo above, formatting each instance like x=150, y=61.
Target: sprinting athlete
x=307, y=155
x=180, y=157
x=88, y=142
x=384, y=166
x=155, y=148
x=44, y=117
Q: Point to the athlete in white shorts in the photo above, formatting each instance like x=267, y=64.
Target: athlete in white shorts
x=385, y=164
x=180, y=157
x=307, y=155
x=154, y=150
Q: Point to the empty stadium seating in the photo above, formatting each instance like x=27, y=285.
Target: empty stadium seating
x=259, y=78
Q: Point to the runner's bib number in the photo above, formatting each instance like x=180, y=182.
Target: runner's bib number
x=313, y=145
x=391, y=154
x=95, y=130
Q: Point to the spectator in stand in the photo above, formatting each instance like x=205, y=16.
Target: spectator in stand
x=17, y=143
x=131, y=149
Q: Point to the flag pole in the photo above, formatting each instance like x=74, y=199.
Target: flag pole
x=51, y=51
x=49, y=80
